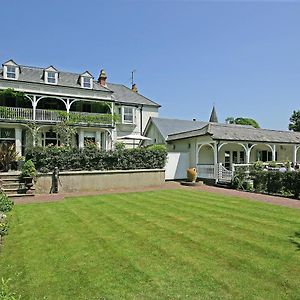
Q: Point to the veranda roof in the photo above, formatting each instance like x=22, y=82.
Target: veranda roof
x=230, y=132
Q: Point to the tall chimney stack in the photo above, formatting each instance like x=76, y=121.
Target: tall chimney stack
x=102, y=78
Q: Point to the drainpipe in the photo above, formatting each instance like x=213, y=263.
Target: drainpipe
x=141, y=119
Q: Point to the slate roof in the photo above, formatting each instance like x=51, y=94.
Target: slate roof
x=233, y=132
x=121, y=93
x=36, y=75
x=170, y=126
x=124, y=94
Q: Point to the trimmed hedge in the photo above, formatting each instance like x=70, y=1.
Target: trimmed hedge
x=91, y=158
x=275, y=182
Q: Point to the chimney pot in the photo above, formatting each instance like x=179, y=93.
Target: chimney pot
x=134, y=88
x=102, y=78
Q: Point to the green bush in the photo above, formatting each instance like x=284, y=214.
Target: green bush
x=275, y=182
x=3, y=229
x=28, y=169
x=5, y=203
x=90, y=158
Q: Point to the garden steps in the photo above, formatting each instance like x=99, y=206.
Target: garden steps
x=12, y=186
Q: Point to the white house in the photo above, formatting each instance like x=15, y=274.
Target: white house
x=103, y=111
x=214, y=147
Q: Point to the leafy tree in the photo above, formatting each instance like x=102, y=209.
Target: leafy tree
x=295, y=121
x=242, y=121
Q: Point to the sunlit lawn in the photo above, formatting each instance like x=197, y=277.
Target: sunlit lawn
x=153, y=245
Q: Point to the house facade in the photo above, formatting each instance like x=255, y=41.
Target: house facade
x=216, y=148
x=100, y=111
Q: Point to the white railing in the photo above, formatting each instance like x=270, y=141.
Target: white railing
x=206, y=171
x=16, y=113
x=44, y=115
x=224, y=175
x=47, y=115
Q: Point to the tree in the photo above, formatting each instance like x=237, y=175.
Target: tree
x=242, y=121
x=295, y=121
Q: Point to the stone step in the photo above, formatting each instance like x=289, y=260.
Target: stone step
x=14, y=191
x=11, y=185
x=19, y=195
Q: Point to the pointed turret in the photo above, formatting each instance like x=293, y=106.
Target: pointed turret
x=213, y=116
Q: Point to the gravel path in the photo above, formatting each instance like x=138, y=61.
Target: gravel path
x=40, y=198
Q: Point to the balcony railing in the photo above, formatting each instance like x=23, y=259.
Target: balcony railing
x=44, y=115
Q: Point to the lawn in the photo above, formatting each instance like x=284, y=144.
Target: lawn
x=153, y=245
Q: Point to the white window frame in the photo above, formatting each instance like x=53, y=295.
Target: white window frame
x=47, y=77
x=123, y=115
x=83, y=78
x=6, y=72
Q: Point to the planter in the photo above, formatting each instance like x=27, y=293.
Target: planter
x=28, y=181
x=191, y=174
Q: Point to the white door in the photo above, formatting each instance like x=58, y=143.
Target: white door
x=177, y=164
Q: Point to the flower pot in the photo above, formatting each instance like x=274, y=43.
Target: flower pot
x=191, y=174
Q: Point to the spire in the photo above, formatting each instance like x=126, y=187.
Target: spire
x=213, y=116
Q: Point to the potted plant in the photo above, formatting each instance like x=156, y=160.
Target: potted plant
x=28, y=173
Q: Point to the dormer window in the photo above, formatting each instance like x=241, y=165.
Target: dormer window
x=51, y=75
x=11, y=70
x=86, y=80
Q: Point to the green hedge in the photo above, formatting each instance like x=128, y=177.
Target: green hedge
x=275, y=182
x=90, y=158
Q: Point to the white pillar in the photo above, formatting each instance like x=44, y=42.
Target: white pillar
x=98, y=139
x=247, y=153
x=34, y=105
x=294, y=154
x=81, y=138
x=273, y=152
x=216, y=161
x=18, y=141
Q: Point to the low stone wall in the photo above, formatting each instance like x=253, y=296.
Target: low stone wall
x=80, y=181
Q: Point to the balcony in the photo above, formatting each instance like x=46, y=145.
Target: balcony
x=50, y=116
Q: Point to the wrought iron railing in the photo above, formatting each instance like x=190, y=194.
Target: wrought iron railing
x=44, y=115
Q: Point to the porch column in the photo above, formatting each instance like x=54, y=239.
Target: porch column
x=295, y=154
x=216, y=161
x=81, y=138
x=68, y=105
x=18, y=141
x=273, y=152
x=34, y=104
x=247, y=153
x=98, y=139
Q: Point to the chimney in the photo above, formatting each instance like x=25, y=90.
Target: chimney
x=134, y=88
x=102, y=78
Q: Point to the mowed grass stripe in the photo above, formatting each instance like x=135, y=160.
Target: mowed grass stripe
x=220, y=236
x=153, y=245
x=156, y=256
x=232, y=204
x=183, y=215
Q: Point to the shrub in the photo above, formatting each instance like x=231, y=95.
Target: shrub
x=3, y=229
x=28, y=169
x=120, y=146
x=8, y=155
x=91, y=158
x=275, y=182
x=5, y=203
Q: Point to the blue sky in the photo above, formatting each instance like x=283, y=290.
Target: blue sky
x=242, y=56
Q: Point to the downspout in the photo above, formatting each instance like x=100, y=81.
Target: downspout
x=141, y=119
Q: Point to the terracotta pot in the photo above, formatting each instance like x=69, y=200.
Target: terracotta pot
x=191, y=174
